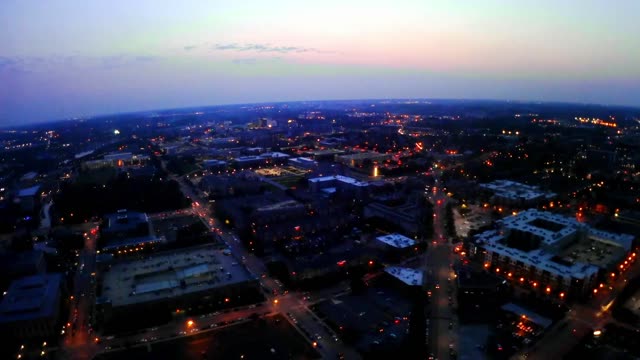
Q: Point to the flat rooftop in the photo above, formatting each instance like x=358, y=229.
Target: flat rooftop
x=396, y=240
x=363, y=155
x=30, y=191
x=555, y=230
x=409, y=276
x=31, y=297
x=339, y=178
x=594, y=252
x=172, y=274
x=515, y=190
x=124, y=220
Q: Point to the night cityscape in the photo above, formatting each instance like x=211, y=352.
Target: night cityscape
x=278, y=181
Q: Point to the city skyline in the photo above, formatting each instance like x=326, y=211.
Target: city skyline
x=66, y=59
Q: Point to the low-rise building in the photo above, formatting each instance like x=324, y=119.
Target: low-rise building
x=552, y=253
x=31, y=306
x=511, y=193
x=188, y=278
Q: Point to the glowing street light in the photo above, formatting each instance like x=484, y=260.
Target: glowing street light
x=190, y=323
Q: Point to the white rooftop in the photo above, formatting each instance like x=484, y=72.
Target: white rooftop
x=515, y=190
x=172, y=274
x=556, y=232
x=408, y=276
x=340, y=178
x=396, y=240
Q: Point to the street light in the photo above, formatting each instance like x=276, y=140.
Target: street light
x=190, y=323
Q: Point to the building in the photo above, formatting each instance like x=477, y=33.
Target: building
x=304, y=163
x=180, y=279
x=29, y=198
x=271, y=158
x=408, y=216
x=21, y=264
x=360, y=159
x=339, y=183
x=511, y=193
x=117, y=160
x=407, y=276
x=126, y=231
x=31, y=306
x=214, y=165
x=552, y=253
x=396, y=241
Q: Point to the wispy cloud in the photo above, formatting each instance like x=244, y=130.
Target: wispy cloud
x=190, y=47
x=254, y=61
x=43, y=64
x=267, y=48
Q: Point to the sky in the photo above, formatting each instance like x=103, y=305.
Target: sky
x=62, y=59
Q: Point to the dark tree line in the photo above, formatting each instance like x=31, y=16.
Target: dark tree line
x=85, y=201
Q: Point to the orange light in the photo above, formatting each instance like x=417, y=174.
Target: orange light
x=486, y=265
x=509, y=274
x=275, y=301
x=595, y=291
x=535, y=284
x=190, y=323
x=562, y=295
x=601, y=286
x=521, y=279
x=548, y=289
x=227, y=300
x=497, y=270
x=613, y=275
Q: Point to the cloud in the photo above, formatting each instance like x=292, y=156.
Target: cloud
x=254, y=61
x=266, y=48
x=245, y=61
x=190, y=47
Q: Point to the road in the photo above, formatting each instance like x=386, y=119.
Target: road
x=78, y=342
x=293, y=303
x=438, y=262
x=581, y=319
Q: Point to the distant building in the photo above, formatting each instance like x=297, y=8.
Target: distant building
x=29, y=198
x=553, y=253
x=359, y=159
x=214, y=165
x=303, y=163
x=202, y=275
x=511, y=193
x=118, y=160
x=271, y=158
x=31, y=307
x=339, y=183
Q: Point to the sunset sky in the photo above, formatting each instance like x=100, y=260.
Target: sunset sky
x=61, y=59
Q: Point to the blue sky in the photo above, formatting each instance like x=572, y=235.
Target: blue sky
x=61, y=59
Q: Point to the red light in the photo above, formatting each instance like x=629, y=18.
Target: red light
x=342, y=262
x=370, y=262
